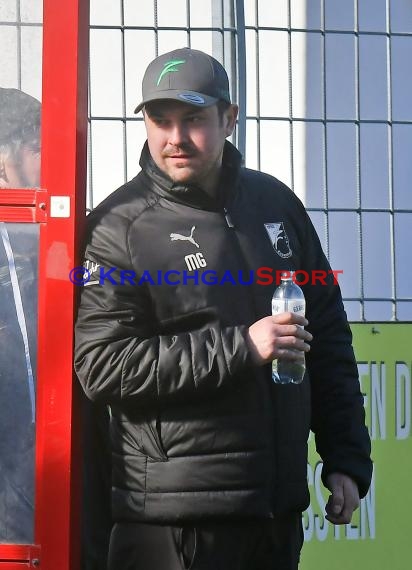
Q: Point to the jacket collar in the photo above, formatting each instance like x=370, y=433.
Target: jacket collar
x=193, y=195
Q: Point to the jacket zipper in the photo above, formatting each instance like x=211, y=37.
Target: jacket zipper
x=244, y=265
x=235, y=238
x=228, y=219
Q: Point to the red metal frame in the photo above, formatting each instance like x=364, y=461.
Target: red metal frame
x=15, y=557
x=63, y=173
x=28, y=205
x=14, y=565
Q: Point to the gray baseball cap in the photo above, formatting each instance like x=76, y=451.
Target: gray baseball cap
x=186, y=75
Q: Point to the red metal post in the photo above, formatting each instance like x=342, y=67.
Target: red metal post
x=63, y=176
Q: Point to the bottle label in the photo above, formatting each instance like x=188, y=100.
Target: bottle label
x=296, y=306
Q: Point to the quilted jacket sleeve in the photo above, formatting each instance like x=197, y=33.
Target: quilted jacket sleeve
x=338, y=416
x=119, y=354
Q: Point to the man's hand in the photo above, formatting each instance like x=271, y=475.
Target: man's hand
x=279, y=336
x=344, y=499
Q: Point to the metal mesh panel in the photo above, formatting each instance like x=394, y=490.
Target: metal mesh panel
x=21, y=45
x=328, y=114
x=324, y=97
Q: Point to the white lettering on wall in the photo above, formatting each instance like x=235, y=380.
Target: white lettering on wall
x=315, y=525
x=403, y=400
x=378, y=400
x=367, y=512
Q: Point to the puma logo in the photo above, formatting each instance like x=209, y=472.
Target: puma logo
x=175, y=237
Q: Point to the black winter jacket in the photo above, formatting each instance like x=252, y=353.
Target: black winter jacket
x=197, y=429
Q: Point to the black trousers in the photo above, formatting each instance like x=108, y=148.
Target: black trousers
x=225, y=545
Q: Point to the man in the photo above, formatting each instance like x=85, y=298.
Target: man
x=209, y=455
x=19, y=168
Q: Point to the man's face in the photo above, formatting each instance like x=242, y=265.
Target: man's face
x=186, y=142
x=21, y=171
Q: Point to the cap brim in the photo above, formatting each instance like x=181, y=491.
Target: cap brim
x=189, y=97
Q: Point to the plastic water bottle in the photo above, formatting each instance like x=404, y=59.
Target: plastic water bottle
x=288, y=297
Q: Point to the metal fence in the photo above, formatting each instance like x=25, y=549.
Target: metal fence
x=21, y=28
x=325, y=95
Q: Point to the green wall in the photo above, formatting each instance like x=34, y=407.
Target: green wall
x=380, y=536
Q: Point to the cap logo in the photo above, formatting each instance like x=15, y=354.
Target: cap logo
x=168, y=67
x=191, y=98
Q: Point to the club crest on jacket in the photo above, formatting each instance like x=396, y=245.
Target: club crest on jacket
x=279, y=239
